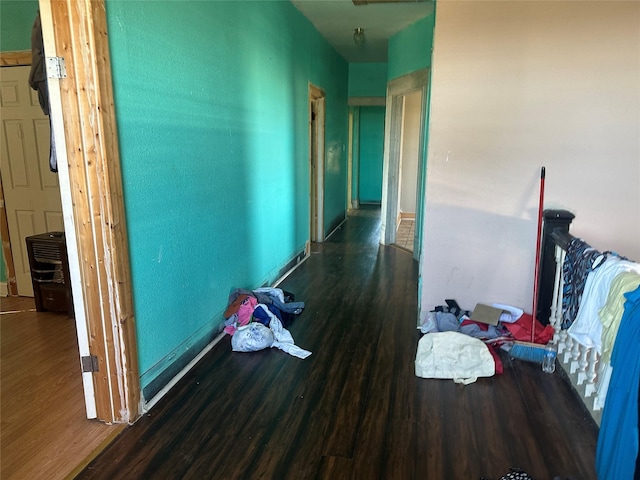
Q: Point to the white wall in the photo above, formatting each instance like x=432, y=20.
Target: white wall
x=515, y=86
x=410, y=150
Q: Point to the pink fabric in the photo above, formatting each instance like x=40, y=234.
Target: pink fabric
x=245, y=313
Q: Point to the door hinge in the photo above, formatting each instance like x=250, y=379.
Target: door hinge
x=56, y=67
x=89, y=363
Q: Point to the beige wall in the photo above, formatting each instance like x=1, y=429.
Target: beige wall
x=410, y=145
x=518, y=85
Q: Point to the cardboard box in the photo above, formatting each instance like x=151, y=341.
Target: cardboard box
x=486, y=314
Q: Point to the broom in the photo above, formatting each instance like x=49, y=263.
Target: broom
x=530, y=351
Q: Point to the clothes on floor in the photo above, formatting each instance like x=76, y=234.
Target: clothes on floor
x=257, y=336
x=521, y=330
x=447, y=322
x=282, y=337
x=494, y=336
x=453, y=355
x=286, y=308
x=252, y=338
x=242, y=312
x=245, y=312
x=510, y=313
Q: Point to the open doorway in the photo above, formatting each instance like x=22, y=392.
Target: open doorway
x=31, y=191
x=316, y=162
x=404, y=161
x=408, y=170
x=83, y=118
x=42, y=400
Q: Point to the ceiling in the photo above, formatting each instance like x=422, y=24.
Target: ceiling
x=336, y=21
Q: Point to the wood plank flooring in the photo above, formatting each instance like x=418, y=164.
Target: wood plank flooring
x=45, y=433
x=353, y=409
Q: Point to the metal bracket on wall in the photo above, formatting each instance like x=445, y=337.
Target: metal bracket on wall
x=56, y=67
x=89, y=363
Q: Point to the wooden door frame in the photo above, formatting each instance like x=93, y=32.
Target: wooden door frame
x=396, y=89
x=83, y=116
x=316, y=233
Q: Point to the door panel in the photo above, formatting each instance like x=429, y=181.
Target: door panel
x=32, y=193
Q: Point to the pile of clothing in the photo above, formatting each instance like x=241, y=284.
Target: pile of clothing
x=256, y=320
x=460, y=348
x=601, y=311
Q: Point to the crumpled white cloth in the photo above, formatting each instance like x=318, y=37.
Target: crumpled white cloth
x=511, y=314
x=454, y=356
x=283, y=339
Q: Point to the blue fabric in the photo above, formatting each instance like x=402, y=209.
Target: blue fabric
x=259, y=315
x=617, y=448
x=289, y=307
x=275, y=310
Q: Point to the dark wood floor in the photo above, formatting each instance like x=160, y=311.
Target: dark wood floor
x=354, y=409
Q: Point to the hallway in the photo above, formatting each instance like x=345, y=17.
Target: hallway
x=354, y=408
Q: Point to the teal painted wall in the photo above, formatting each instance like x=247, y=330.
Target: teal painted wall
x=213, y=128
x=367, y=79
x=371, y=153
x=410, y=49
x=16, y=20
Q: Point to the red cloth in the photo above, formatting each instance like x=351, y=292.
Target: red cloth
x=521, y=330
x=233, y=307
x=496, y=359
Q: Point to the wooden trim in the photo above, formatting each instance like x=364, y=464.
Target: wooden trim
x=366, y=101
x=407, y=216
x=315, y=92
x=409, y=82
x=15, y=59
x=12, y=284
x=80, y=37
x=396, y=88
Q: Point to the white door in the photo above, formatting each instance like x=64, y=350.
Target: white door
x=32, y=192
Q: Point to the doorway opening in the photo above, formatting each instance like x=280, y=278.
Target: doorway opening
x=94, y=223
x=31, y=191
x=404, y=162
x=316, y=162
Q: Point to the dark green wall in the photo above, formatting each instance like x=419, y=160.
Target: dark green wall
x=16, y=20
x=371, y=154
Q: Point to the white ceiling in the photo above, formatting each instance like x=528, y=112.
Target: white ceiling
x=336, y=20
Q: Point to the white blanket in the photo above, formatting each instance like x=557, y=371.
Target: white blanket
x=453, y=355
